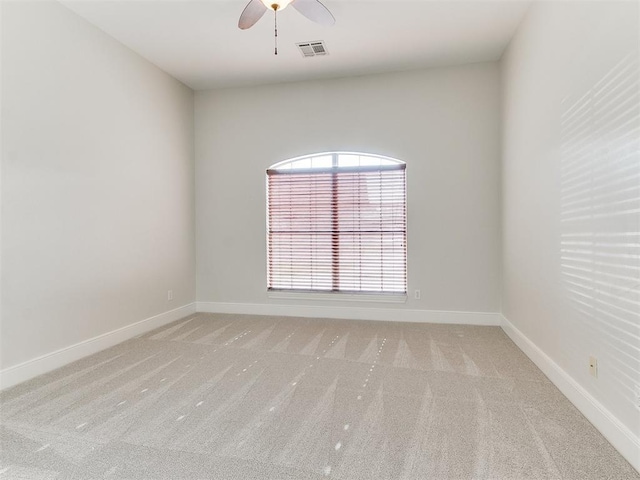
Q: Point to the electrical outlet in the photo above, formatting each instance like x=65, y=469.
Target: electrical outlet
x=593, y=366
x=416, y=294
x=170, y=295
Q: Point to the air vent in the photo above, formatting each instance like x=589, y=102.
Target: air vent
x=313, y=49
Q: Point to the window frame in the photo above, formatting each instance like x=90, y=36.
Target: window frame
x=387, y=163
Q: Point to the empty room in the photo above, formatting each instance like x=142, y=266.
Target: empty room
x=303, y=239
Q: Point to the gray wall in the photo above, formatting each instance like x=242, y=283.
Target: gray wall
x=444, y=123
x=571, y=168
x=97, y=184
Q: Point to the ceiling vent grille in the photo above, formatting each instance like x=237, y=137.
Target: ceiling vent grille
x=313, y=49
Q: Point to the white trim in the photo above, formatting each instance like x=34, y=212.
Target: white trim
x=621, y=437
x=353, y=313
x=51, y=361
x=341, y=297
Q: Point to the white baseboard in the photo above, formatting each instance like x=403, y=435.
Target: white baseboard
x=622, y=438
x=51, y=361
x=354, y=313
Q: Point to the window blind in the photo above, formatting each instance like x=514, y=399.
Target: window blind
x=337, y=229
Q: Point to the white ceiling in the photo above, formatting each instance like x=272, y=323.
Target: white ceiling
x=199, y=43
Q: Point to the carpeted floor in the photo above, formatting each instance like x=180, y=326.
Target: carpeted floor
x=247, y=397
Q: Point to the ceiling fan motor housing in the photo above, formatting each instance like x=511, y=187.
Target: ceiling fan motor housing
x=276, y=5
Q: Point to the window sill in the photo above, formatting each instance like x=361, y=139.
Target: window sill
x=341, y=297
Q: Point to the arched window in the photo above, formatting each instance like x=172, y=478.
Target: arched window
x=337, y=222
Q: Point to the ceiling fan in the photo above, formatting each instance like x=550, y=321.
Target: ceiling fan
x=312, y=9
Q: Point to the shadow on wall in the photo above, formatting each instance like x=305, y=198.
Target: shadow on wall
x=600, y=220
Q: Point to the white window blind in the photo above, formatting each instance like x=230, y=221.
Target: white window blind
x=337, y=228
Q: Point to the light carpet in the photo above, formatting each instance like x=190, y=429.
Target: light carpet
x=250, y=397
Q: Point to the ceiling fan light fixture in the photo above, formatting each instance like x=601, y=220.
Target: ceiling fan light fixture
x=281, y=4
x=314, y=10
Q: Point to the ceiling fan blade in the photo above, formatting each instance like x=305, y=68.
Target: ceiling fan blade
x=251, y=14
x=314, y=11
